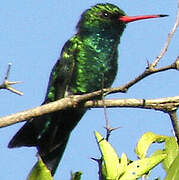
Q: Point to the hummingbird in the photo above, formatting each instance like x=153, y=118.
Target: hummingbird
x=88, y=60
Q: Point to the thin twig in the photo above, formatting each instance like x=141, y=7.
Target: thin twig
x=107, y=127
x=170, y=35
x=148, y=71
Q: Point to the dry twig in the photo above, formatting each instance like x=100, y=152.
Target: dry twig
x=170, y=35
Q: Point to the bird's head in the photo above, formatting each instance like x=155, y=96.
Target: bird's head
x=101, y=17
x=107, y=17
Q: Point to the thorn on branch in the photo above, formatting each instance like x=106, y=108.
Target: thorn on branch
x=148, y=64
x=177, y=63
x=99, y=161
x=109, y=130
x=7, y=84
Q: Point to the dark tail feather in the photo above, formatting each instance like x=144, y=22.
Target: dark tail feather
x=49, y=133
x=24, y=137
x=53, y=158
x=27, y=136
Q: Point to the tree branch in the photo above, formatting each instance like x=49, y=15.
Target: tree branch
x=72, y=101
x=163, y=104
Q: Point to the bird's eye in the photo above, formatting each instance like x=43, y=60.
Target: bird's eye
x=105, y=14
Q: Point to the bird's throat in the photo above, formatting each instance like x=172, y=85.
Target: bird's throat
x=96, y=65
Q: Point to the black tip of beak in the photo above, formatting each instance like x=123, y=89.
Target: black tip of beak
x=163, y=15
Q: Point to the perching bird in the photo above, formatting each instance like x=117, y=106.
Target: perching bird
x=87, y=59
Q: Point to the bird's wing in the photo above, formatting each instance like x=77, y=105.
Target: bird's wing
x=58, y=83
x=62, y=72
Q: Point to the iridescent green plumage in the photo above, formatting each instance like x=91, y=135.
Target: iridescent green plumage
x=92, y=52
x=87, y=63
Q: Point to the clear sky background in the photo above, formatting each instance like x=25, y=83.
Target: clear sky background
x=32, y=34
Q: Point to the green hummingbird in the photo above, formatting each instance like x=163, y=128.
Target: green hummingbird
x=87, y=60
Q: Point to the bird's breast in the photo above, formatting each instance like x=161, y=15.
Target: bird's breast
x=95, y=69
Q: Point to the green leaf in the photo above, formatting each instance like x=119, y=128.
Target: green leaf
x=158, y=152
x=123, y=164
x=171, y=149
x=111, y=161
x=145, y=141
x=140, y=167
x=173, y=171
x=39, y=172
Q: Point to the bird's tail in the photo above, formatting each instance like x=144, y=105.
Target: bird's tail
x=26, y=136
x=50, y=134
x=52, y=159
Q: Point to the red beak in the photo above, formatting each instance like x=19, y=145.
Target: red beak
x=127, y=19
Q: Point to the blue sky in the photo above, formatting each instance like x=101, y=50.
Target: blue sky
x=32, y=34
